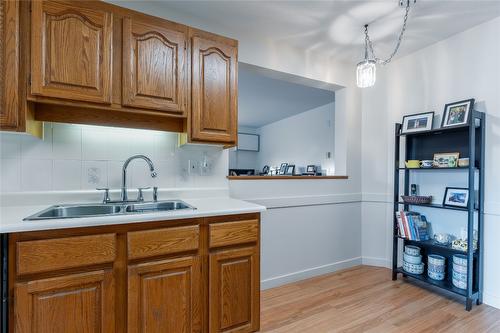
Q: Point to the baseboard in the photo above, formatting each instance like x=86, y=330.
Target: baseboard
x=308, y=273
x=378, y=262
x=491, y=300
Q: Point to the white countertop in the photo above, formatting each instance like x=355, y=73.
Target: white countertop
x=11, y=217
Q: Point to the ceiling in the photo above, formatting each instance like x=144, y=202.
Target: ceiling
x=263, y=98
x=336, y=27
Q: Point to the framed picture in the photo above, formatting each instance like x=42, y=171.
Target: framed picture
x=458, y=113
x=445, y=160
x=456, y=197
x=417, y=122
x=283, y=168
x=290, y=170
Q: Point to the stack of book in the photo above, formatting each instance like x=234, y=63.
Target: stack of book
x=412, y=226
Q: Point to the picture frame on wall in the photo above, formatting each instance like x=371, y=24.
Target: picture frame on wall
x=419, y=122
x=457, y=113
x=290, y=170
x=283, y=168
x=456, y=197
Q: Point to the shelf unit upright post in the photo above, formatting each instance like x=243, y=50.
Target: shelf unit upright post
x=470, y=142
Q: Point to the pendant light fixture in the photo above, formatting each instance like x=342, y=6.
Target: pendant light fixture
x=366, y=71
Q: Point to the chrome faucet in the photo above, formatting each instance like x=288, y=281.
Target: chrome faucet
x=124, y=196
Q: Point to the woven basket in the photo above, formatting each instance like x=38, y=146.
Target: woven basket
x=417, y=199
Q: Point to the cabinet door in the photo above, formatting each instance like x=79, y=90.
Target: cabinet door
x=154, y=67
x=78, y=303
x=234, y=291
x=9, y=64
x=214, y=90
x=164, y=296
x=71, y=51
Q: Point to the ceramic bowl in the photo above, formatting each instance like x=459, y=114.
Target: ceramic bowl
x=412, y=259
x=436, y=275
x=413, y=268
x=436, y=268
x=412, y=250
x=459, y=276
x=460, y=259
x=460, y=269
x=459, y=284
x=436, y=259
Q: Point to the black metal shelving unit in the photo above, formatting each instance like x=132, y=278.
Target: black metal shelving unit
x=469, y=141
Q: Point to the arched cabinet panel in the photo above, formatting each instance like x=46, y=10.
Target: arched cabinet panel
x=154, y=67
x=71, y=51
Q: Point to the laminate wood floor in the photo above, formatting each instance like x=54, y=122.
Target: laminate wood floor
x=365, y=299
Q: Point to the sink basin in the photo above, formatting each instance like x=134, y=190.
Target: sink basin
x=157, y=206
x=93, y=210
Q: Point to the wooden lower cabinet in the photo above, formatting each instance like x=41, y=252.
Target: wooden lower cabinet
x=179, y=276
x=234, y=290
x=83, y=303
x=165, y=296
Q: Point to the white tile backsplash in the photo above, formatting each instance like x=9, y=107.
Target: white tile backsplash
x=63, y=174
x=74, y=157
x=10, y=175
x=36, y=175
x=66, y=142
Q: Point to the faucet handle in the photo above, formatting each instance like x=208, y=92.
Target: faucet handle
x=155, y=193
x=140, y=197
x=106, y=194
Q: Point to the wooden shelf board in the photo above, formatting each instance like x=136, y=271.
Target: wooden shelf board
x=436, y=206
x=284, y=177
x=444, y=284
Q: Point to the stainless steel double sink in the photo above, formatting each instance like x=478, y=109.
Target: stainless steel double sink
x=108, y=209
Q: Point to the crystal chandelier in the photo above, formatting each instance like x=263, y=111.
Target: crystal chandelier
x=366, y=71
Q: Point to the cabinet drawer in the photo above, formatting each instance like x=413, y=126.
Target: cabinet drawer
x=149, y=243
x=60, y=253
x=231, y=233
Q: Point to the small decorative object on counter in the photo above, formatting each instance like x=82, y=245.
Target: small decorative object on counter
x=282, y=169
x=412, y=164
x=290, y=170
x=443, y=238
x=417, y=199
x=456, y=197
x=420, y=122
x=446, y=160
x=457, y=113
x=310, y=170
x=436, y=267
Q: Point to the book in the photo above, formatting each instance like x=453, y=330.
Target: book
x=412, y=226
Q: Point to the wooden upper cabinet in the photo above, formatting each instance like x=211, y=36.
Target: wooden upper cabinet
x=164, y=296
x=82, y=302
x=71, y=51
x=154, y=66
x=234, y=290
x=9, y=65
x=214, y=99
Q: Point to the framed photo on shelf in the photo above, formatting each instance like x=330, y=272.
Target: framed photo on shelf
x=456, y=197
x=445, y=160
x=417, y=122
x=290, y=170
x=283, y=168
x=457, y=113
